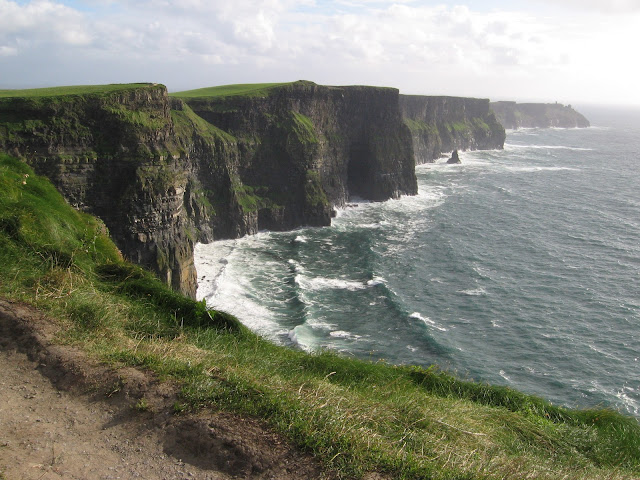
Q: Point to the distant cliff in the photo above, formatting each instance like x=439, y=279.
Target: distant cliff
x=514, y=115
x=444, y=124
x=162, y=177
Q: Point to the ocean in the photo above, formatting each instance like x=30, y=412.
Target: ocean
x=519, y=267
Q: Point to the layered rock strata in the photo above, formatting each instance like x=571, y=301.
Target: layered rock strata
x=444, y=124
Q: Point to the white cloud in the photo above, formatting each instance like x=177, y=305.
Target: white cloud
x=41, y=22
x=603, y=6
x=6, y=51
x=420, y=48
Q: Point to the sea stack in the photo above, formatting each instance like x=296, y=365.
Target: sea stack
x=454, y=158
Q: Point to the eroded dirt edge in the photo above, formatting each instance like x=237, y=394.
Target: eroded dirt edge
x=65, y=416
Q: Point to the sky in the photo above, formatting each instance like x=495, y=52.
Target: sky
x=570, y=51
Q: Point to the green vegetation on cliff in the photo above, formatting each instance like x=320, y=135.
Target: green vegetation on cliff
x=404, y=422
x=72, y=90
x=419, y=126
x=245, y=89
x=92, y=118
x=186, y=123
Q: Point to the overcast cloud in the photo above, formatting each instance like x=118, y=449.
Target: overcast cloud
x=565, y=50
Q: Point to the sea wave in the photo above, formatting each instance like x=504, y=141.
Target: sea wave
x=515, y=146
x=324, y=283
x=427, y=321
x=531, y=168
x=473, y=292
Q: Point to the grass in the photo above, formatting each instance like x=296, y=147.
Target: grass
x=418, y=126
x=95, y=117
x=71, y=90
x=244, y=89
x=186, y=122
x=403, y=421
x=303, y=128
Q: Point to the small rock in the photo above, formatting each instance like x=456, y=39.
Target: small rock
x=454, y=158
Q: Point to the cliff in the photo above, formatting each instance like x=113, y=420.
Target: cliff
x=162, y=177
x=538, y=115
x=444, y=124
x=113, y=153
x=305, y=148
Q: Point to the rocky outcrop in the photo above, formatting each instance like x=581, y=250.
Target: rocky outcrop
x=443, y=124
x=514, y=115
x=454, y=159
x=162, y=177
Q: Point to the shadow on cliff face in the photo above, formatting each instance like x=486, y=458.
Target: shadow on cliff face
x=359, y=181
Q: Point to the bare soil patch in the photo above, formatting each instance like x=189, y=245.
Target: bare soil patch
x=64, y=416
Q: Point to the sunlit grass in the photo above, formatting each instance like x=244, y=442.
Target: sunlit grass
x=250, y=89
x=70, y=90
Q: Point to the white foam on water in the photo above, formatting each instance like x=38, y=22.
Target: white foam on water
x=297, y=266
x=231, y=295
x=321, y=324
x=344, y=334
x=603, y=352
x=376, y=281
x=303, y=337
x=224, y=286
x=468, y=160
x=427, y=321
x=475, y=292
x=323, y=283
x=534, y=169
x=512, y=146
x=530, y=132
x=623, y=394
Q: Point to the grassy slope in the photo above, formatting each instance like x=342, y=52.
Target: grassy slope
x=356, y=416
x=246, y=89
x=70, y=90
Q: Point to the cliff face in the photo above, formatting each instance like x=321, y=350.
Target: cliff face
x=443, y=124
x=305, y=148
x=117, y=156
x=162, y=177
x=538, y=115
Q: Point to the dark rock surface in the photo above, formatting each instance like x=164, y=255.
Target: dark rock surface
x=455, y=158
x=514, y=115
x=305, y=148
x=443, y=124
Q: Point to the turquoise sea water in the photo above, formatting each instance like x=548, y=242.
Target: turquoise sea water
x=519, y=267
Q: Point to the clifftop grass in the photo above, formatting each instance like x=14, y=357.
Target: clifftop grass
x=242, y=89
x=405, y=422
x=71, y=90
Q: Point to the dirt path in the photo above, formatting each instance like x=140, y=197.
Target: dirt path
x=52, y=428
